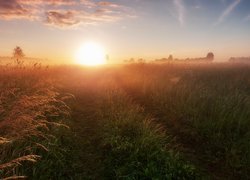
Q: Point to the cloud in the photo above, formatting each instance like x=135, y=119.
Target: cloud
x=227, y=11
x=247, y=18
x=61, y=18
x=11, y=9
x=63, y=13
x=48, y=2
x=108, y=4
x=181, y=9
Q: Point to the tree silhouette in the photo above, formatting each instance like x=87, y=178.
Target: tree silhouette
x=18, y=55
x=107, y=58
x=132, y=60
x=140, y=60
x=170, y=57
x=210, y=56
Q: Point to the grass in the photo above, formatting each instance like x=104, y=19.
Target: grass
x=32, y=115
x=135, y=146
x=207, y=109
x=138, y=121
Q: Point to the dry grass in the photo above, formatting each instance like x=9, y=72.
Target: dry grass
x=30, y=110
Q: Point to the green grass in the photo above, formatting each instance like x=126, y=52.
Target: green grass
x=135, y=147
x=140, y=121
x=208, y=109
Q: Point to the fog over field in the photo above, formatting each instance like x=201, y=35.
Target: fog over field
x=93, y=89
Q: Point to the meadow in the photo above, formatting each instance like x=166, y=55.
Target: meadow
x=133, y=121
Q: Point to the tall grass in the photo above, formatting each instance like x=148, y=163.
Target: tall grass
x=31, y=115
x=135, y=147
x=126, y=142
x=140, y=121
x=207, y=106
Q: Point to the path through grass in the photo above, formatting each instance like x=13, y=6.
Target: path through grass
x=116, y=139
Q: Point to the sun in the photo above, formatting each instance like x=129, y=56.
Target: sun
x=91, y=54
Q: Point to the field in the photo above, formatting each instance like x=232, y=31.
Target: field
x=134, y=121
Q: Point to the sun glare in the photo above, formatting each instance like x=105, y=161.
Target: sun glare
x=91, y=54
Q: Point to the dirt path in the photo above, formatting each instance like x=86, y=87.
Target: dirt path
x=86, y=126
x=85, y=147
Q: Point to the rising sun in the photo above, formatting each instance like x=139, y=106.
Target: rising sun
x=91, y=54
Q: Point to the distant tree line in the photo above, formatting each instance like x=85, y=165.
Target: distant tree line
x=132, y=60
x=240, y=59
x=208, y=58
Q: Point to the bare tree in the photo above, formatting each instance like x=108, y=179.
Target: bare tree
x=18, y=55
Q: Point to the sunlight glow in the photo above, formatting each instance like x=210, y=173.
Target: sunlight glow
x=91, y=54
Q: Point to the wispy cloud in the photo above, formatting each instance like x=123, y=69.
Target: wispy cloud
x=247, y=18
x=223, y=1
x=48, y=2
x=181, y=10
x=227, y=11
x=63, y=13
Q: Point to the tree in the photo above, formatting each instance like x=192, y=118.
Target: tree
x=210, y=56
x=132, y=60
x=107, y=58
x=140, y=60
x=18, y=55
x=170, y=57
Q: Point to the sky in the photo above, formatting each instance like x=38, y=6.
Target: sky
x=151, y=29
